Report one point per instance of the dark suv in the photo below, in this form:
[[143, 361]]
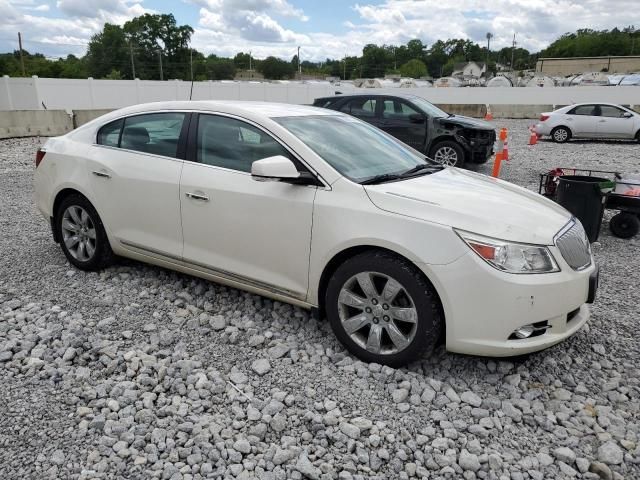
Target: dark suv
[[446, 138]]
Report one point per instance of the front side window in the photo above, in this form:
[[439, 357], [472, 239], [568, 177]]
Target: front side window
[[234, 144], [356, 149], [361, 107], [156, 133], [589, 110], [611, 111], [395, 109], [109, 135]]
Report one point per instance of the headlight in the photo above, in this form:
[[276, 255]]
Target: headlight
[[509, 256]]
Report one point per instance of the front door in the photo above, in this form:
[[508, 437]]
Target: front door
[[134, 175], [404, 122], [256, 232], [613, 124]]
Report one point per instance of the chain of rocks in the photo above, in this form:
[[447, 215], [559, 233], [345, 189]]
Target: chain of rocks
[[139, 372]]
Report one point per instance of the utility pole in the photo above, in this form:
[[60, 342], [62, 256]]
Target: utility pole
[[486, 68], [191, 62], [249, 60], [344, 67], [299, 66], [395, 63], [160, 57], [513, 50], [133, 65], [24, 72]]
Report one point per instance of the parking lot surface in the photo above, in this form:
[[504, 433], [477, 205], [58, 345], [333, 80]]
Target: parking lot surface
[[140, 372]]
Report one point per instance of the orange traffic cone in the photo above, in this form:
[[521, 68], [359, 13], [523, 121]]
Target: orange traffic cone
[[533, 138], [501, 152], [488, 115]]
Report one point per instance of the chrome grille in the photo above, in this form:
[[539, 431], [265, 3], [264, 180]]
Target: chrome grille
[[574, 245]]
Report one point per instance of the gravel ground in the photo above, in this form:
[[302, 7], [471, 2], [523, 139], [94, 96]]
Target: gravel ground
[[140, 372]]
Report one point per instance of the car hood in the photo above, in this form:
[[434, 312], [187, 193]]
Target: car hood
[[475, 203], [467, 122]]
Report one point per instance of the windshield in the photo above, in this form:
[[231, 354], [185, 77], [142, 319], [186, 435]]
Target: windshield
[[430, 109], [354, 148]]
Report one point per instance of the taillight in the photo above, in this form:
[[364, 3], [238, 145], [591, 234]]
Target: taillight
[[39, 156], [543, 117]]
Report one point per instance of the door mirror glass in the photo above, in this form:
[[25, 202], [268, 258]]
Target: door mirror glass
[[416, 118], [274, 168], [627, 115]]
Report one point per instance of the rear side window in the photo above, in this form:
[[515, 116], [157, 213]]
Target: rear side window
[[234, 144], [360, 107], [109, 135], [156, 133], [589, 110]]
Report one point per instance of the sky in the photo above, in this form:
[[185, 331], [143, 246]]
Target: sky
[[322, 28]]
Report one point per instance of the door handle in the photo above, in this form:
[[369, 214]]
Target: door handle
[[196, 196], [101, 174], [601, 121]]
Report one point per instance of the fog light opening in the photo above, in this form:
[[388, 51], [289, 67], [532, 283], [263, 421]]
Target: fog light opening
[[524, 331]]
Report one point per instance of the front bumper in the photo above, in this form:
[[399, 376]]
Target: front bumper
[[483, 306]]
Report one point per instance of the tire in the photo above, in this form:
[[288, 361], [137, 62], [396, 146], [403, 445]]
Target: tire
[[638, 136], [561, 134], [449, 153], [404, 338], [71, 222], [624, 225]]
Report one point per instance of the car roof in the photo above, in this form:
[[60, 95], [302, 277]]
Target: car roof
[[407, 96], [238, 107]]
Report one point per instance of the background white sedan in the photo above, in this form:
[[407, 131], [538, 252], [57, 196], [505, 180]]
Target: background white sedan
[[589, 120]]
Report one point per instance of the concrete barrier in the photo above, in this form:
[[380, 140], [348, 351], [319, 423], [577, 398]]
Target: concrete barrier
[[520, 111], [470, 110], [31, 123], [80, 117]]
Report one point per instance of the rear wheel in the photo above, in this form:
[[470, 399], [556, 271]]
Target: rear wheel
[[561, 134], [638, 136], [448, 153], [624, 225], [82, 235], [383, 309]]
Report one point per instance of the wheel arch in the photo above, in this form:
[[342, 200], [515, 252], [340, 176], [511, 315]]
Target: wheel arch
[[351, 251], [64, 192], [562, 125], [440, 139]]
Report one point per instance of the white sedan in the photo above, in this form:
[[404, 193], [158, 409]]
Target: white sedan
[[589, 120], [316, 208]]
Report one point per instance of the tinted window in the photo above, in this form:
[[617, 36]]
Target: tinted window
[[110, 134], [360, 107], [609, 111], [230, 143], [156, 133], [584, 110], [397, 110]]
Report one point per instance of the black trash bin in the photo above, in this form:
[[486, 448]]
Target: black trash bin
[[582, 196]]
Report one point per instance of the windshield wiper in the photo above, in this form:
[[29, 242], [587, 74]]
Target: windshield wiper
[[385, 177], [420, 167]]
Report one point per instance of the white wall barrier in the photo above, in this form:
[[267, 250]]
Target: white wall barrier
[[69, 94]]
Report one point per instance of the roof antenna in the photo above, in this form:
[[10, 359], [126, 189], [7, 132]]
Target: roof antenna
[[191, 92]]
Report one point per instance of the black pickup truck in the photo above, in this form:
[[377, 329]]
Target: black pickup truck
[[448, 139]]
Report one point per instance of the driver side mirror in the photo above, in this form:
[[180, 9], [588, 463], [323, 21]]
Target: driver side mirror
[[274, 168], [627, 115], [417, 118]]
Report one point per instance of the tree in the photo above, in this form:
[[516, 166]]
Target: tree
[[414, 69], [275, 69], [108, 50]]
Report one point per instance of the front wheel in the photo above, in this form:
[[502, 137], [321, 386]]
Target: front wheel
[[383, 309], [448, 153], [82, 236], [624, 225], [561, 134]]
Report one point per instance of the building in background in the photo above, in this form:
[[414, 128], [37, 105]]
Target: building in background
[[576, 65]]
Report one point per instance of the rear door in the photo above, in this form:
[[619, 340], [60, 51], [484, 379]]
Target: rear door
[[405, 122], [613, 124], [365, 108], [583, 120], [134, 175]]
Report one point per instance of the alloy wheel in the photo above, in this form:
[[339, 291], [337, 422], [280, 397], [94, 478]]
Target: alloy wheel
[[79, 233], [446, 156], [560, 135], [378, 313]]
